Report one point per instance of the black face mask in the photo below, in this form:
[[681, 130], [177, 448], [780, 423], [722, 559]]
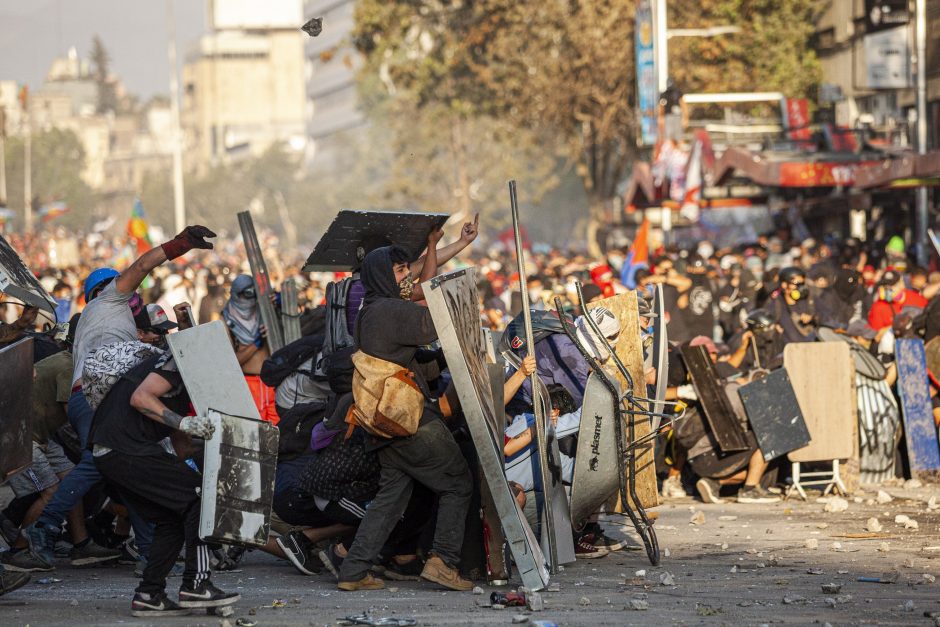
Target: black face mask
[[847, 285]]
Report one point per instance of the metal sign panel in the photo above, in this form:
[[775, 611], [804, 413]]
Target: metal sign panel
[[452, 301], [879, 429], [774, 414], [595, 476], [821, 374], [351, 231], [711, 395], [259, 272], [660, 354], [923, 451], [16, 415], [238, 481], [238, 469], [887, 59], [17, 281], [208, 365]]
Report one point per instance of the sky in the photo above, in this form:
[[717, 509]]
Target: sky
[[34, 32]]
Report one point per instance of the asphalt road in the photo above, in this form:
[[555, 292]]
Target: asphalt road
[[742, 565]]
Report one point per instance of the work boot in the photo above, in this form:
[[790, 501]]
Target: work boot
[[366, 583], [41, 540], [92, 553], [440, 573], [11, 581]]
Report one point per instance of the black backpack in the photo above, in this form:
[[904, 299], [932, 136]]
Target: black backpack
[[296, 427], [287, 360]]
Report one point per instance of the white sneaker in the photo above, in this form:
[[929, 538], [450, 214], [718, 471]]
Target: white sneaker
[[672, 488]]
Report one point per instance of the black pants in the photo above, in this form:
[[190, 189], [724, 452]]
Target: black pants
[[166, 492], [429, 457]]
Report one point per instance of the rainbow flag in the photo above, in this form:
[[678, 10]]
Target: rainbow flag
[[138, 229], [52, 210]]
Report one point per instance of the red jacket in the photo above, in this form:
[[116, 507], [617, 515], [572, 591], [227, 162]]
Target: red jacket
[[882, 312]]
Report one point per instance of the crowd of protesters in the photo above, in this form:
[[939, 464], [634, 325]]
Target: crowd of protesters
[[356, 507]]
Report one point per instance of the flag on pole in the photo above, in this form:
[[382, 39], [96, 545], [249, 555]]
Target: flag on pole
[[52, 210], [138, 229], [638, 256]]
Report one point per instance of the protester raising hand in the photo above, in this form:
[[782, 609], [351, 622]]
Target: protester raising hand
[[470, 230]]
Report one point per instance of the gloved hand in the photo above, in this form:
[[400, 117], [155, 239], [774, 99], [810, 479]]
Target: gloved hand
[[198, 426], [189, 238], [687, 392]]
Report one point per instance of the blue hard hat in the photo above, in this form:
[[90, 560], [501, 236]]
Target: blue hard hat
[[96, 278]]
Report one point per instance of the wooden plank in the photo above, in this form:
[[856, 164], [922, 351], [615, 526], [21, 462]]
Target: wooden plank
[[630, 351], [822, 375], [923, 452]]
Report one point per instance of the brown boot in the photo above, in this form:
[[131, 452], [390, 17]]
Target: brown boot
[[366, 583], [440, 573]]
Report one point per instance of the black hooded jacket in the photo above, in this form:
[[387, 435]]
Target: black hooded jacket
[[391, 328]]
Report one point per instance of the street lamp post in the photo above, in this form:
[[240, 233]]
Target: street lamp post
[[921, 210]]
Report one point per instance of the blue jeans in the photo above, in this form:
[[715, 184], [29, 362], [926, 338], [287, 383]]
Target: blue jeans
[[84, 476]]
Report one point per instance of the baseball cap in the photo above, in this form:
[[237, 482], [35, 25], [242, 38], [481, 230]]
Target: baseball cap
[[159, 319], [890, 277]]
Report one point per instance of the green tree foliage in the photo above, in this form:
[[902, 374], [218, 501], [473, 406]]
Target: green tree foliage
[[772, 51], [101, 64], [57, 163]]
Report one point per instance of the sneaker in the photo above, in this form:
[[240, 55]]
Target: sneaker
[[9, 530], [440, 573], [297, 548], [756, 494], [92, 553], [205, 594], [130, 555], [708, 489], [42, 541], [10, 581], [585, 548], [369, 582], [604, 542], [672, 488], [409, 571], [233, 555], [156, 605], [331, 560], [24, 561]]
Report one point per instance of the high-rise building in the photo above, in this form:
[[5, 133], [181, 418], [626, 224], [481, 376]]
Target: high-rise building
[[332, 109]]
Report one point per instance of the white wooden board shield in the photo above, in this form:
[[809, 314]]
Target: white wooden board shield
[[452, 301], [240, 458], [822, 375]]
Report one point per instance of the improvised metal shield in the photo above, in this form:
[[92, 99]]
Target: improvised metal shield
[[238, 469], [774, 414], [596, 471], [17, 281], [452, 301], [923, 451], [660, 354], [711, 396], [354, 233], [16, 411]]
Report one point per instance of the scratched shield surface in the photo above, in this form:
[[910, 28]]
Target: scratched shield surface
[[238, 481], [16, 416], [596, 472], [923, 452], [353, 229], [454, 306], [17, 281], [774, 414], [879, 429]]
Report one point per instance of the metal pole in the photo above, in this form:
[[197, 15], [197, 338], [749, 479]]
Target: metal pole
[[540, 425], [661, 44], [179, 202], [920, 233], [28, 172]]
